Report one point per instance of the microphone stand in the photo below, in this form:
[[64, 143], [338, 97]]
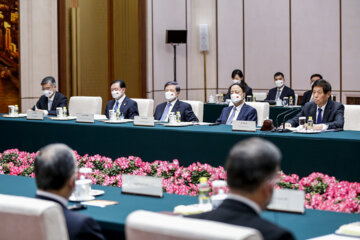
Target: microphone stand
[[284, 130], [277, 119]]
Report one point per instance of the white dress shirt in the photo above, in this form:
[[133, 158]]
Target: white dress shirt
[[119, 102], [170, 109], [246, 201], [277, 89], [324, 126], [56, 197], [237, 109]]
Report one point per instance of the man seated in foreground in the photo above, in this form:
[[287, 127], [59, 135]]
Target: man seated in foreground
[[252, 171], [55, 175], [240, 110], [51, 99], [325, 113]]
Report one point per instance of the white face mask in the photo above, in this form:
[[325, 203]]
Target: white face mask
[[279, 83], [236, 81], [169, 96], [236, 98], [48, 93], [116, 94]]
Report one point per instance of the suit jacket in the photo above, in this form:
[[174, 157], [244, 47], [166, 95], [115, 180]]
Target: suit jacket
[[128, 108], [59, 101], [247, 113], [286, 92], [248, 92], [79, 226], [186, 112], [238, 213], [306, 97], [333, 114]]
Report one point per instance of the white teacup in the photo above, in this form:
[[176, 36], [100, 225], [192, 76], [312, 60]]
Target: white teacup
[[82, 189]]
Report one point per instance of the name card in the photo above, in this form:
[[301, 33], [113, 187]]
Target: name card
[[35, 115], [287, 200], [142, 185], [85, 117], [144, 121], [248, 126]]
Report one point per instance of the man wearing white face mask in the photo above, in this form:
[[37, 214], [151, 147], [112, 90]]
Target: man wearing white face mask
[[172, 104], [240, 110], [280, 91], [128, 108], [51, 99]]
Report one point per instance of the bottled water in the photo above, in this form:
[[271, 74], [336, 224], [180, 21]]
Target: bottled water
[[16, 110], [204, 190], [117, 114], [291, 101], [178, 117], [64, 112], [310, 123]]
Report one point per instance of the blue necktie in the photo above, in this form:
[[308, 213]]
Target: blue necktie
[[116, 105], [165, 113], [319, 117], [229, 121]]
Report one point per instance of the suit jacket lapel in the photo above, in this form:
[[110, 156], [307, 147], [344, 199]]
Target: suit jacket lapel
[[56, 97], [123, 104], [283, 92], [176, 107], [327, 111], [242, 111], [313, 112]]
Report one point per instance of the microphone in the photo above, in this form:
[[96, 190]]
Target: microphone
[[277, 118], [286, 115]]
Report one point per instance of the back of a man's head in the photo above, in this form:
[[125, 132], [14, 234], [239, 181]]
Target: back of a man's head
[[54, 165], [250, 163]]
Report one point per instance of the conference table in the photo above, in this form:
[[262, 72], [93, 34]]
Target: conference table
[[212, 112], [112, 218], [333, 153]]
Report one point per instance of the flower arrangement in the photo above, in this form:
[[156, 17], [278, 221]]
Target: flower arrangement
[[321, 191]]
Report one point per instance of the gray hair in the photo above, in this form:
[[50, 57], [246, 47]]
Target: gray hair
[[250, 163], [49, 79], [54, 165]]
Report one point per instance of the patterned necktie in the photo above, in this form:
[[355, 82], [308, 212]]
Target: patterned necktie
[[165, 113], [116, 105], [319, 117], [230, 119], [278, 94]]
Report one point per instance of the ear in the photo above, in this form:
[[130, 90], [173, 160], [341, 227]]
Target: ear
[[71, 182], [328, 94]]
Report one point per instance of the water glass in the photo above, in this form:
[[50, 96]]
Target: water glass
[[172, 118], [302, 121], [285, 101], [59, 112], [249, 98], [112, 115], [11, 110]]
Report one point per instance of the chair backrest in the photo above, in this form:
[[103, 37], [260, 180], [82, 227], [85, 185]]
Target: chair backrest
[[153, 226], [145, 106], [351, 117], [197, 107], [260, 96], [81, 104], [29, 218], [296, 99], [262, 109]]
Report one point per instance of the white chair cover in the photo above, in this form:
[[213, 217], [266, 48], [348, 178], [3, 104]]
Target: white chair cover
[[145, 106], [197, 107], [81, 104]]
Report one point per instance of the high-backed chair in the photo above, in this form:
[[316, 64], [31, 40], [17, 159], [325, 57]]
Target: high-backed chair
[[156, 226], [197, 107], [262, 109], [31, 219], [81, 104], [145, 106], [296, 99], [351, 117], [260, 96]]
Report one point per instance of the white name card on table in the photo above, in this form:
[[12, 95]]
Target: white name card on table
[[144, 121], [142, 185], [85, 117], [247, 126], [287, 200], [35, 115]]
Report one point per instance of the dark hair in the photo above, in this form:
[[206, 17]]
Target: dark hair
[[54, 165], [49, 79], [242, 85], [177, 87], [316, 75], [279, 74], [250, 163], [121, 83], [238, 72], [326, 86]]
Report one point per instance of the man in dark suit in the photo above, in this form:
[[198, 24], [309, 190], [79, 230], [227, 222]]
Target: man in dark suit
[[239, 111], [325, 113], [252, 171], [51, 99], [55, 175], [173, 104], [308, 96], [128, 108], [280, 91]]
